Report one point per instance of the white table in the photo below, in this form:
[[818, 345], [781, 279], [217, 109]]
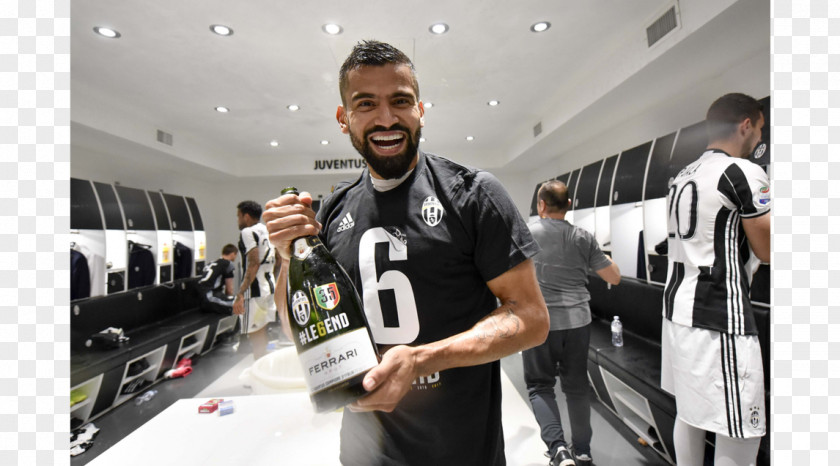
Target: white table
[[279, 429]]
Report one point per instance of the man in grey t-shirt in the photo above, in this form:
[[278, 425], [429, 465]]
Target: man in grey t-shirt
[[567, 254]]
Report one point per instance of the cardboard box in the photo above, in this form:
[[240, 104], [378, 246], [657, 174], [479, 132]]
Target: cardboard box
[[225, 407], [210, 405]]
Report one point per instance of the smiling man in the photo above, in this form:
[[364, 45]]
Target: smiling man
[[430, 245]]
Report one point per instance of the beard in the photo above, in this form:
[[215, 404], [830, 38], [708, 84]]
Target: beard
[[392, 166]]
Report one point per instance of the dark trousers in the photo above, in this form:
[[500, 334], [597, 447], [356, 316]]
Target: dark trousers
[[218, 303], [567, 350]]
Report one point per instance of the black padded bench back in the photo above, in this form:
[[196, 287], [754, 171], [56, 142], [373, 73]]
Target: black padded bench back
[[637, 304], [127, 311]]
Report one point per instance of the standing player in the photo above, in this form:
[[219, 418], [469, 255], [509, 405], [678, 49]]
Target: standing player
[[718, 231], [254, 302], [430, 245]]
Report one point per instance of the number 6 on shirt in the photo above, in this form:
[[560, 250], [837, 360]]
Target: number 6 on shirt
[[409, 325]]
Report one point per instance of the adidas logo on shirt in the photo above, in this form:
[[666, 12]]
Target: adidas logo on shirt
[[346, 223]]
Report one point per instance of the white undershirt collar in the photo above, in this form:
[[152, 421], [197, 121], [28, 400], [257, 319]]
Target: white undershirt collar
[[387, 185]]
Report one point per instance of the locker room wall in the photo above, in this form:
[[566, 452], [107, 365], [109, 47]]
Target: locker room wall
[[750, 76], [217, 193]]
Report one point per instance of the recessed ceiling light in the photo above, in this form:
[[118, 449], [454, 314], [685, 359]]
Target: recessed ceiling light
[[106, 32], [428, 105], [422, 139], [332, 29], [470, 138], [293, 107], [439, 28], [541, 26], [324, 142], [493, 103], [221, 109], [274, 143], [221, 30]]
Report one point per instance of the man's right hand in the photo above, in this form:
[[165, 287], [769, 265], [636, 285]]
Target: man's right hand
[[287, 218]]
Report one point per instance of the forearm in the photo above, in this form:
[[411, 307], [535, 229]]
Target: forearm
[[521, 322], [278, 263], [511, 328], [250, 275]]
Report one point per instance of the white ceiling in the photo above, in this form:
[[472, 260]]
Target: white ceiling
[[168, 72]]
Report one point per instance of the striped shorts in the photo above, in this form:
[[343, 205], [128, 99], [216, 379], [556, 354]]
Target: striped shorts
[[717, 379]]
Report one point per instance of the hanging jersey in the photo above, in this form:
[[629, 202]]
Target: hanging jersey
[[420, 256], [141, 266], [183, 261], [79, 276], [96, 269], [710, 264], [256, 236]]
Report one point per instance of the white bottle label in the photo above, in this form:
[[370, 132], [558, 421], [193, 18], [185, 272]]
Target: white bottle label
[[337, 359], [301, 248]]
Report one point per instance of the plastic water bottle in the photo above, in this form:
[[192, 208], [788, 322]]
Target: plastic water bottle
[[617, 332], [145, 397]]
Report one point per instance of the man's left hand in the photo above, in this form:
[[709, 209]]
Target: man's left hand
[[388, 382]]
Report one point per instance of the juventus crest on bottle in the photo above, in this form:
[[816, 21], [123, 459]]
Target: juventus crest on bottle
[[331, 333]]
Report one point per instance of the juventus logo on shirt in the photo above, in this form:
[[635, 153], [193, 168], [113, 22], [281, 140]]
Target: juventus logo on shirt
[[432, 211], [760, 150]]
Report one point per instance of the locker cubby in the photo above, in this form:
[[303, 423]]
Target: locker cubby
[[226, 324], [185, 346], [83, 409], [635, 411], [154, 358]]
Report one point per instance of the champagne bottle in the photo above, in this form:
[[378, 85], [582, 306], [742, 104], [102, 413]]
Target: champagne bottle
[[332, 337]]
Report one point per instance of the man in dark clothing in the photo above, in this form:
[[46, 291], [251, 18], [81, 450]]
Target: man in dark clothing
[[432, 245], [217, 283]]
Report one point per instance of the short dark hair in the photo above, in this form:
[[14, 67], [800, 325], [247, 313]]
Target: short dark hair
[[228, 248], [374, 53], [727, 112], [555, 194], [251, 208]]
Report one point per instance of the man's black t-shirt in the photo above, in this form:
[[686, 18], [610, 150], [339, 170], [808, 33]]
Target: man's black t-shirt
[[420, 256], [215, 274]]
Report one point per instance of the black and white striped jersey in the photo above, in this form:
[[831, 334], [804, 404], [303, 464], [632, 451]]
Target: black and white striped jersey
[[256, 236], [710, 265]]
